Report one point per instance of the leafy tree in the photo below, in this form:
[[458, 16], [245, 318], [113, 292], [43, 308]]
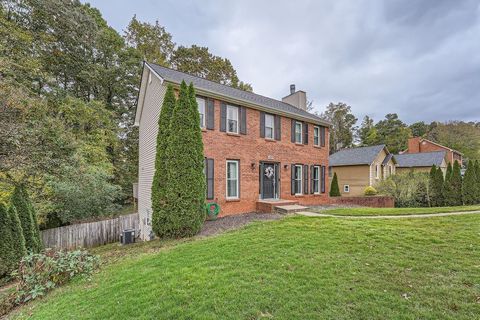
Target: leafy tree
[[27, 218], [334, 190], [18, 244], [160, 214], [365, 131], [419, 129], [431, 182], [200, 62], [185, 180], [477, 174], [6, 245], [470, 191], [392, 132], [409, 189], [343, 125], [153, 41]]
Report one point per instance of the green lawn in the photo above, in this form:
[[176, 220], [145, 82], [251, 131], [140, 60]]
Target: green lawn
[[295, 268], [393, 211]]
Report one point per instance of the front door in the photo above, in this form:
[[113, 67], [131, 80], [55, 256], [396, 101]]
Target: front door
[[269, 180]]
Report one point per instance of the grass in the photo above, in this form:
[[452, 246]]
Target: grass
[[393, 211], [295, 268]]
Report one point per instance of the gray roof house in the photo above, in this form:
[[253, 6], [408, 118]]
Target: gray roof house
[[357, 168], [421, 162]]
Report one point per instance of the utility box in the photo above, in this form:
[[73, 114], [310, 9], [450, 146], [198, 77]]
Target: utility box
[[127, 236]]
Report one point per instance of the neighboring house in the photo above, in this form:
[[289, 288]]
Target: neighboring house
[[256, 148], [357, 168], [421, 145], [421, 162]]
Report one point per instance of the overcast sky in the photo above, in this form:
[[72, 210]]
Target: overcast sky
[[420, 59]]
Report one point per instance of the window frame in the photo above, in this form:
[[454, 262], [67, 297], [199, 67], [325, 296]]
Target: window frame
[[377, 171], [298, 123], [316, 135], [316, 182], [268, 115], [298, 192], [229, 106], [203, 121], [237, 163], [346, 188]]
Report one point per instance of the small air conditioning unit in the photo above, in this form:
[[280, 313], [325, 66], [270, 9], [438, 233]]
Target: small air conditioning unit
[[127, 236]]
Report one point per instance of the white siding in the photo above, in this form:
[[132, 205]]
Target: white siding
[[154, 94]]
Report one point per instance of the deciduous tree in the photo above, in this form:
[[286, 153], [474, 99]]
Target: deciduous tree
[[343, 125]]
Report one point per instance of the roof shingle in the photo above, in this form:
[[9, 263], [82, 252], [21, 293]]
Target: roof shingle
[[176, 77], [355, 156], [423, 159]]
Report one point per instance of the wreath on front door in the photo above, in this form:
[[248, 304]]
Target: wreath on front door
[[269, 172]]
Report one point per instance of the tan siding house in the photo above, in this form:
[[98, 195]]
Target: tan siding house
[[358, 168]]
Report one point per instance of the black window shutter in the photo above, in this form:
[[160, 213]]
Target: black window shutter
[[278, 127], [260, 178], [223, 117], [305, 133], [239, 178], [210, 114], [262, 124], [305, 179], [322, 136], [243, 120], [293, 130], [210, 178], [322, 179], [311, 179], [293, 180]]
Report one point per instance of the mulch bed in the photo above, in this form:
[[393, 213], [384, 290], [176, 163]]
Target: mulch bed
[[234, 222]]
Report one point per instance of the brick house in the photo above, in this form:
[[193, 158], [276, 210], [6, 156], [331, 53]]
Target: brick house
[[258, 151], [420, 145]]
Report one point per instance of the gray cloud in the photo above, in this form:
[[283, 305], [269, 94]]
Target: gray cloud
[[417, 58]]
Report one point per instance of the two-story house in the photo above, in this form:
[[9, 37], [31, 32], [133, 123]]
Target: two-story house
[[257, 149]]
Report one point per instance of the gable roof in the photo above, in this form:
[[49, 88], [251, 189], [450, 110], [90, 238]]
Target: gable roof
[[223, 91], [422, 159], [356, 156]]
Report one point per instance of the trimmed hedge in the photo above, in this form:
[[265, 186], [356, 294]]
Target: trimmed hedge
[[334, 190]]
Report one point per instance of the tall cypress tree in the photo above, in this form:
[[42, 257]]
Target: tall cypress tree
[[447, 187], [456, 183], [159, 214], [477, 174], [185, 183], [431, 186], [27, 220], [6, 254], [439, 181], [334, 190], [469, 188], [18, 245]]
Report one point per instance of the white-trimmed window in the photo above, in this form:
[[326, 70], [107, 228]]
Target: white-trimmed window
[[298, 177], [232, 179], [316, 136], [232, 119], [298, 132], [269, 126], [346, 188], [377, 171], [316, 179], [201, 110]]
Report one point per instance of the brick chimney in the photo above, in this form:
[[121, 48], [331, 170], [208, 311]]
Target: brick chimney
[[414, 145], [297, 99]]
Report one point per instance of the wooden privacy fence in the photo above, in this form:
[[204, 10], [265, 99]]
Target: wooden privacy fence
[[89, 234]]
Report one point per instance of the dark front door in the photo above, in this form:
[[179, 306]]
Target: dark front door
[[269, 180]]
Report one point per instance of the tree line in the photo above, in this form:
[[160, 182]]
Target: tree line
[[68, 88], [393, 132]]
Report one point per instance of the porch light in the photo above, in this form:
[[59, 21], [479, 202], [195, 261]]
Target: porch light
[[253, 165], [285, 166]]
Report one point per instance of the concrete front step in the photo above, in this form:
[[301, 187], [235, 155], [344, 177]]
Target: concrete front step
[[268, 206], [292, 208]]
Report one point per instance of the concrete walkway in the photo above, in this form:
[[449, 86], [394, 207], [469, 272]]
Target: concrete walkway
[[427, 215]]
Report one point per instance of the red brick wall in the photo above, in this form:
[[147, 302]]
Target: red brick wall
[[417, 146], [374, 202], [414, 145], [250, 148]]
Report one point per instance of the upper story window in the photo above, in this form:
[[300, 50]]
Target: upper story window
[[316, 136], [232, 119], [298, 132], [201, 111], [269, 126]]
